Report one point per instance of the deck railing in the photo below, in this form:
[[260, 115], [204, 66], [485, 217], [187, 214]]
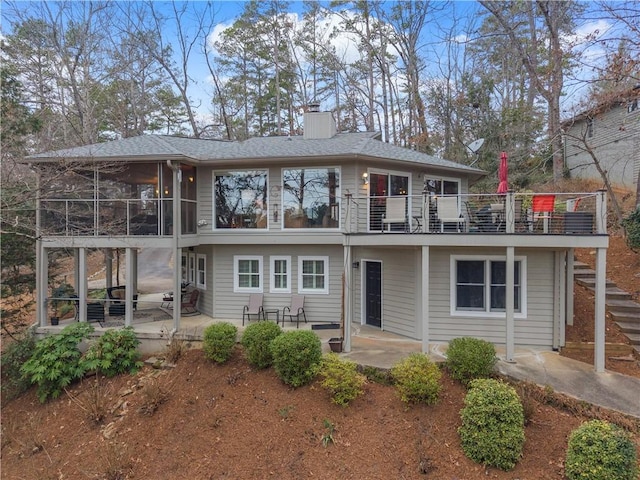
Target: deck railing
[[526, 213]]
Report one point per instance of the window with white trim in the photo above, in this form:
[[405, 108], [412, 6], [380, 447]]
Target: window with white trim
[[201, 273], [280, 274], [247, 273], [313, 274], [192, 269], [478, 285]]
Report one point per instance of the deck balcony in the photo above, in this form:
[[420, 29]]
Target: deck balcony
[[486, 214]]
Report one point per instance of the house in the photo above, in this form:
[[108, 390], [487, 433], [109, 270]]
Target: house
[[368, 232], [612, 131]]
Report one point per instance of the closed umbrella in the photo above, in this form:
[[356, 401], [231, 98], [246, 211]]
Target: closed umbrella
[[503, 186]]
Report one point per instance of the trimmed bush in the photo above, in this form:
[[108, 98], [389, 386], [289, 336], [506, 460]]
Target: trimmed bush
[[417, 379], [341, 378], [469, 358], [632, 228], [115, 352], [492, 430], [599, 450], [256, 340], [296, 356], [15, 354], [218, 341], [56, 361]]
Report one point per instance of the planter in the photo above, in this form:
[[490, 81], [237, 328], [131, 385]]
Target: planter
[[55, 320], [335, 344]]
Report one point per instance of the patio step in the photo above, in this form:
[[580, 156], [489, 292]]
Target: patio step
[[629, 327], [590, 282], [627, 317], [634, 338], [627, 307]]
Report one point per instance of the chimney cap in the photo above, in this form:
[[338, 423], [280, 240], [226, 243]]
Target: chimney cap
[[314, 106]]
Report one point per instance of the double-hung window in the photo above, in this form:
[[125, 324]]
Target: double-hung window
[[201, 271], [478, 286], [280, 274], [247, 274], [313, 274]]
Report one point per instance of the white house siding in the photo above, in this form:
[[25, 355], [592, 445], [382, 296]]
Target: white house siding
[[228, 304], [535, 329], [616, 134]]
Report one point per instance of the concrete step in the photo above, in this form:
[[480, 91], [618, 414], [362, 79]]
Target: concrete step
[[580, 265], [629, 327], [623, 306], [627, 317], [584, 273], [615, 293], [590, 282], [634, 338]]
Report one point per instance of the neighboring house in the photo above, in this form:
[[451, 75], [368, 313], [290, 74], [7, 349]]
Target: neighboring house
[[306, 215], [612, 131]]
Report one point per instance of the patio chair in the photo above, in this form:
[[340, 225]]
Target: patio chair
[[447, 212], [189, 302], [117, 298], [254, 307], [395, 212], [297, 306], [542, 207]]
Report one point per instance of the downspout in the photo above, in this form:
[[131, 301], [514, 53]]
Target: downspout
[[41, 294], [177, 227]]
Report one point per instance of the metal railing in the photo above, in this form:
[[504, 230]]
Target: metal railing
[[523, 213]]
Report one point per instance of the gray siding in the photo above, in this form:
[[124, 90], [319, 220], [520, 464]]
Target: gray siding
[[225, 303], [615, 140], [535, 329]]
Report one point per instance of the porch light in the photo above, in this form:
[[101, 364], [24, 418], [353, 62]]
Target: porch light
[[365, 178]]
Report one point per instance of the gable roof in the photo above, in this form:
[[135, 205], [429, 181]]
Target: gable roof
[[364, 145]]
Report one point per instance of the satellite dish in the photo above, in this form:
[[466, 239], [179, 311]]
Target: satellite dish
[[475, 145]]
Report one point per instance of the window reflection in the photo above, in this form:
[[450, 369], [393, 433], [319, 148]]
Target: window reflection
[[241, 199], [311, 198]]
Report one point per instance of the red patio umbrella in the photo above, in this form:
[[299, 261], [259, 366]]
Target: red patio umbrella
[[503, 186]]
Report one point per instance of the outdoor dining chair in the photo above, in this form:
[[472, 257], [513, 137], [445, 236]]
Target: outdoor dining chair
[[296, 309], [253, 308]]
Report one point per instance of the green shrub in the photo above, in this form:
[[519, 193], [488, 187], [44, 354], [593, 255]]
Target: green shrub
[[56, 361], [599, 450], [15, 354], [417, 379], [492, 430], [341, 378], [256, 340], [296, 356], [218, 341], [115, 352], [469, 358]]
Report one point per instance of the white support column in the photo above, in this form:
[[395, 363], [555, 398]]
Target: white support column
[[83, 286], [108, 263], [570, 284], [42, 286], [562, 296], [134, 273], [425, 298], [347, 306], [509, 298], [177, 250], [601, 285], [128, 281], [76, 270], [557, 283]]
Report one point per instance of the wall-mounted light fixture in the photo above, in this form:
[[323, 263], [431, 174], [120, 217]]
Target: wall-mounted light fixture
[[355, 264], [365, 178], [202, 223], [191, 178]]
